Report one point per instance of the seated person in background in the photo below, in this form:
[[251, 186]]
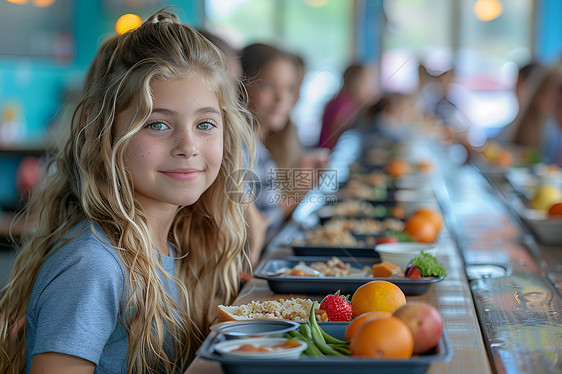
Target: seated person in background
[[532, 135], [257, 220], [356, 91], [528, 126], [390, 115], [271, 78], [285, 146], [552, 151], [527, 77], [232, 54]]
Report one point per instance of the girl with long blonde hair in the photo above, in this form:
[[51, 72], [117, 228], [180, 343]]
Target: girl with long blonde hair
[[137, 236]]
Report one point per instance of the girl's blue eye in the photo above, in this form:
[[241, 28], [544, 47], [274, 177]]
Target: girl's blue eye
[[157, 126], [206, 125]]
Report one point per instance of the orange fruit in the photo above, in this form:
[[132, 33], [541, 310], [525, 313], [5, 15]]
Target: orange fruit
[[424, 166], [383, 338], [377, 296], [505, 159], [398, 211], [431, 215], [398, 167], [354, 325], [555, 210], [421, 229]]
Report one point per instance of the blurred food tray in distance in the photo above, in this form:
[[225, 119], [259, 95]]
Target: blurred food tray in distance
[[272, 271]]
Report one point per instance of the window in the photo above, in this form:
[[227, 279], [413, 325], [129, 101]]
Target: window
[[486, 55], [320, 31]]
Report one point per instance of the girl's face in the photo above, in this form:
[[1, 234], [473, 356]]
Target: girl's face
[[273, 96], [177, 154]]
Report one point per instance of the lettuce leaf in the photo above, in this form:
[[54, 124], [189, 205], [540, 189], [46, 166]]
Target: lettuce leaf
[[429, 266]]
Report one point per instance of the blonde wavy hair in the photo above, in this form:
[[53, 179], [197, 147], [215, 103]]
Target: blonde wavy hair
[[88, 182]]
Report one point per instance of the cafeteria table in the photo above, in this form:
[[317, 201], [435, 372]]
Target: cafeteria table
[[501, 299]]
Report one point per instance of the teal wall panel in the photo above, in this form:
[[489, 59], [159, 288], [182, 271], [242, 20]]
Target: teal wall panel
[[548, 30]]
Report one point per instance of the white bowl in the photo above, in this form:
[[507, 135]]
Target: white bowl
[[226, 348], [402, 253], [255, 329]]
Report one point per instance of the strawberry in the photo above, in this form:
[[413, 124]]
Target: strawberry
[[337, 307]]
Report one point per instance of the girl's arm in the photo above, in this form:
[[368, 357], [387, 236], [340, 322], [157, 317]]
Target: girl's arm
[[257, 227], [58, 363]]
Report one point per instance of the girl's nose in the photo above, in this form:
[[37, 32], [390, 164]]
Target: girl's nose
[[186, 145]]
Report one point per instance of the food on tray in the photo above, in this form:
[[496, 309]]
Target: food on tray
[[333, 237], [365, 226], [412, 328], [374, 179], [424, 321], [359, 208], [383, 338], [294, 309], [261, 348], [378, 295], [546, 196], [337, 307], [429, 266], [386, 269], [331, 268], [412, 271], [352, 208], [355, 323], [497, 155], [424, 166], [360, 190], [398, 167], [555, 210], [387, 239], [548, 171], [430, 214], [318, 341], [424, 225], [267, 348], [378, 156]]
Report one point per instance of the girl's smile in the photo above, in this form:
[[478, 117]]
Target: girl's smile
[[182, 174]]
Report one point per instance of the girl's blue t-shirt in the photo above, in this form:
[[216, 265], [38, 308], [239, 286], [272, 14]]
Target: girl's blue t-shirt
[[78, 299]]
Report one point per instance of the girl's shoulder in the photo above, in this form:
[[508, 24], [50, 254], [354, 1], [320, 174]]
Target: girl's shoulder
[[84, 250]]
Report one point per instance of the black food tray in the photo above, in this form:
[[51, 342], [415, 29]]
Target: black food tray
[[338, 251], [389, 199], [417, 364], [328, 285], [381, 210]]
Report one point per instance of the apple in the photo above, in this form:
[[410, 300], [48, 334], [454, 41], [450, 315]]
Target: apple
[[412, 271], [387, 239], [424, 321]]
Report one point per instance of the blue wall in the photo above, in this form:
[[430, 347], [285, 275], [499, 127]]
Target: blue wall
[[548, 32], [36, 86]]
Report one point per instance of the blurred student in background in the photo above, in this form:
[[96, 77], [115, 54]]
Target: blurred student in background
[[528, 126], [256, 220], [552, 150], [356, 91], [527, 78], [272, 79], [271, 82], [285, 146], [232, 54]]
